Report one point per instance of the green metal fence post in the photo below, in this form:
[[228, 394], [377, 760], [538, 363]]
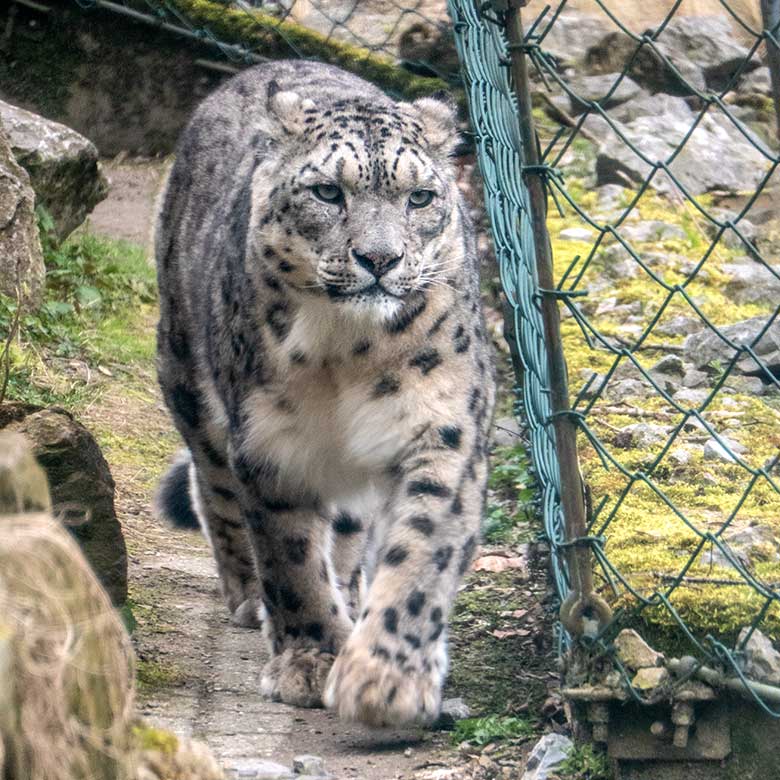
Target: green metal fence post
[[583, 602]]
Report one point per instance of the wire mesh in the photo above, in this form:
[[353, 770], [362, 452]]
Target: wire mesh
[[673, 356]]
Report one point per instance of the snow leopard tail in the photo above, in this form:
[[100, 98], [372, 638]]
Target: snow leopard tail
[[173, 501]]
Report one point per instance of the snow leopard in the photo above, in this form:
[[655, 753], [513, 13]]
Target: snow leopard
[[323, 353]]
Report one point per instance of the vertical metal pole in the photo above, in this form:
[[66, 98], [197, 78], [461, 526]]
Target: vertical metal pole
[[582, 602], [770, 11]]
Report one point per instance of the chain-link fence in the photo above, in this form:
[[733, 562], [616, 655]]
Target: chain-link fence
[[670, 329], [660, 477]]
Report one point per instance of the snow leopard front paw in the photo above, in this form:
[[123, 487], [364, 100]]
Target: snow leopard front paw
[[248, 614], [297, 676], [381, 687]]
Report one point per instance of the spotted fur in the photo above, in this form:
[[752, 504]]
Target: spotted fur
[[322, 352]]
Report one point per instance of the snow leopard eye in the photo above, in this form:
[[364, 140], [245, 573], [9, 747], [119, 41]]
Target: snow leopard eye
[[330, 193], [419, 199]]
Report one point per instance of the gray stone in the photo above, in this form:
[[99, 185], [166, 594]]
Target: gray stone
[[747, 385], [761, 659], [752, 282], [82, 489], [652, 230], [610, 197], [576, 234], [22, 272], [702, 349], [634, 652], [714, 450], [650, 677], [260, 770], [756, 83], [547, 756], [691, 397], [572, 36], [62, 164], [653, 105], [715, 157], [596, 88], [309, 765], [669, 364], [694, 378], [452, 710], [704, 50], [679, 326], [640, 435], [628, 388]]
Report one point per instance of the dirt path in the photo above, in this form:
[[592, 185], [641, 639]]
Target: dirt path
[[198, 675]]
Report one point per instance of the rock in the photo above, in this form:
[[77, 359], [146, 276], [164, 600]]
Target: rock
[[634, 652], [761, 659], [756, 83], [714, 450], [576, 234], [653, 105], [640, 435], [628, 388], [23, 485], [429, 50], [715, 157], [669, 364], [751, 281], [82, 489], [650, 677], [691, 397], [680, 456], [652, 230], [572, 36], [596, 88], [679, 326], [260, 770], [62, 164], [610, 197], [694, 378], [547, 756], [452, 710], [506, 432], [309, 765], [747, 385], [22, 271], [702, 349], [702, 49]]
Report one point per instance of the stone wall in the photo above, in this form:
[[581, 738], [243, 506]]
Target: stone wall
[[122, 84]]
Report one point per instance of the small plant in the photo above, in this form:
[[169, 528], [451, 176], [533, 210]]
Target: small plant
[[510, 472], [481, 731], [585, 763]]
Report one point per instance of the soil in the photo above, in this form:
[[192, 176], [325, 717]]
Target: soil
[[199, 675]]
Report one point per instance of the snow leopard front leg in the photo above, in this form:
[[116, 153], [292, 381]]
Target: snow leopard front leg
[[393, 666], [307, 619]]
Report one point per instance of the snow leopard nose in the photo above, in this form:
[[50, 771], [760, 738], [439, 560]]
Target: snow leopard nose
[[377, 263]]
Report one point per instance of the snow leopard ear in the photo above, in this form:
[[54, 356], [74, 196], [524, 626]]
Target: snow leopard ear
[[439, 116], [287, 108]]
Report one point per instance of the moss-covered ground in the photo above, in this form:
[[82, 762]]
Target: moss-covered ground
[[654, 513]]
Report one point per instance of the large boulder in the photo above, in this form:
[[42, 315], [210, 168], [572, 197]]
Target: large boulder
[[716, 156], [703, 348], [703, 52], [571, 37], [63, 166], [22, 272], [82, 489]]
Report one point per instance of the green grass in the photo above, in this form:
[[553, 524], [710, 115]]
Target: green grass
[[481, 731], [97, 290], [585, 763], [510, 517]]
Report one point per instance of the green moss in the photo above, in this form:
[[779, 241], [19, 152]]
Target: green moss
[[273, 38], [154, 675], [149, 738], [646, 541]]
